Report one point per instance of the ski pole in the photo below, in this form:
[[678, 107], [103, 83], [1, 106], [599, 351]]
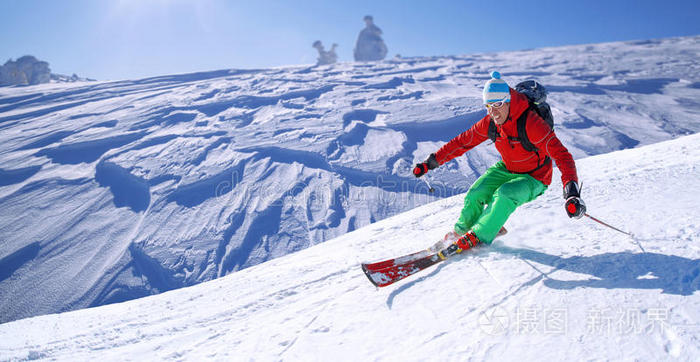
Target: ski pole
[[616, 229], [602, 223], [430, 188]]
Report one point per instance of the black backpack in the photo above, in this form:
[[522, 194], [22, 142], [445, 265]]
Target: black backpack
[[537, 98]]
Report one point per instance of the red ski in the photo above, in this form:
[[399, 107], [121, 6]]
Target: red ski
[[387, 272]]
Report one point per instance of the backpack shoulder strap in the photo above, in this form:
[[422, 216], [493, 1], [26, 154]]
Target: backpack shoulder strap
[[522, 132], [493, 134], [525, 141]]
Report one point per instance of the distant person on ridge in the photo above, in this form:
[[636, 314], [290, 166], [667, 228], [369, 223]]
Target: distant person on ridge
[[325, 57], [370, 45], [520, 177]]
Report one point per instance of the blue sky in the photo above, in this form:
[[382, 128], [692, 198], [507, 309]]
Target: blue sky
[[128, 39]]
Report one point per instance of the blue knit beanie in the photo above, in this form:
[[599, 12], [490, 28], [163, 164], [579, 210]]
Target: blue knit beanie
[[496, 89]]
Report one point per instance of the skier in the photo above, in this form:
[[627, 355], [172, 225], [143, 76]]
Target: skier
[[520, 177], [370, 45]]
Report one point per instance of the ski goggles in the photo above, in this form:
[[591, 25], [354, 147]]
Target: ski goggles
[[497, 104]]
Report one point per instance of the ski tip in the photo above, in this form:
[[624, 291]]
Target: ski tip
[[367, 274]]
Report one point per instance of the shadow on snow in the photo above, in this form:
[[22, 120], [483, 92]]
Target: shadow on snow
[[623, 270]]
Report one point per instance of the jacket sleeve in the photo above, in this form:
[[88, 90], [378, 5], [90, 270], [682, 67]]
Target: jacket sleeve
[[544, 138], [464, 142]]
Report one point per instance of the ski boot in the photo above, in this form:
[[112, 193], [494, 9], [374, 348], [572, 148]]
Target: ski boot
[[502, 232], [448, 239], [453, 236], [468, 241]]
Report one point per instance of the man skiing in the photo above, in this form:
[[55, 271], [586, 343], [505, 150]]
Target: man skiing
[[520, 177]]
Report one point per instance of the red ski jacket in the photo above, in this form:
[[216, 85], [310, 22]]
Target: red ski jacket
[[515, 157]]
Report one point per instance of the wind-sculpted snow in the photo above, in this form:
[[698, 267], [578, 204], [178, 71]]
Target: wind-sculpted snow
[[9, 177], [88, 151], [116, 190], [128, 190]]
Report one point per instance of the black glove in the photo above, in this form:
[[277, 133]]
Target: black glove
[[429, 164], [575, 207]]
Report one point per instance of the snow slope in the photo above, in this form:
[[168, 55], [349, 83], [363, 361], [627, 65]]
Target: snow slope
[[115, 190], [571, 288]]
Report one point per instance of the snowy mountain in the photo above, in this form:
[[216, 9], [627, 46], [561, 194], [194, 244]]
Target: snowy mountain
[[111, 191], [572, 288]]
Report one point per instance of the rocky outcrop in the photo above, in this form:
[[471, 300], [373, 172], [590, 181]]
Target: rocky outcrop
[[26, 70], [60, 78]]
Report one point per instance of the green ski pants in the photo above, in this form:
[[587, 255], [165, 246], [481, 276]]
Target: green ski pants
[[501, 192]]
